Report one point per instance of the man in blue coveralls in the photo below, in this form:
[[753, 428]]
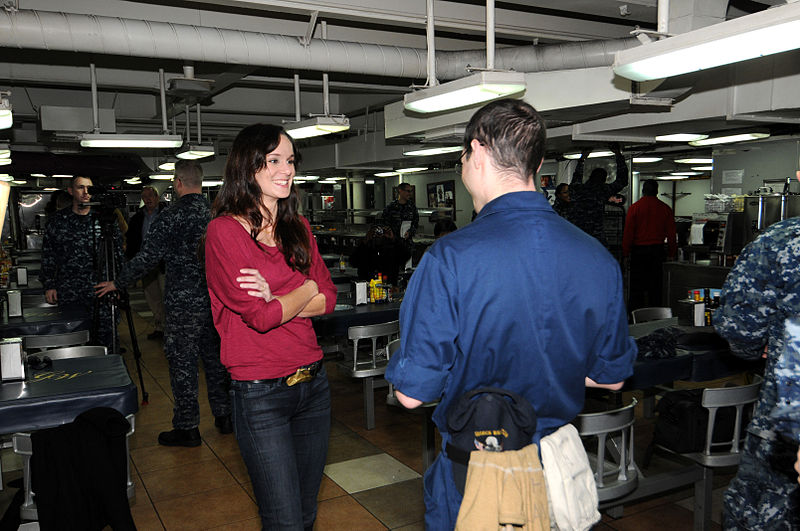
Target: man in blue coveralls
[[479, 312]]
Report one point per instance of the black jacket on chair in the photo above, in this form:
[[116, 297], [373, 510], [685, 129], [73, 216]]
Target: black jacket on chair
[[78, 473]]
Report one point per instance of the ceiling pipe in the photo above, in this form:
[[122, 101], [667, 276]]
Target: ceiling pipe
[[489, 34], [297, 97], [326, 105], [162, 89], [663, 17], [431, 45], [95, 105], [44, 30]]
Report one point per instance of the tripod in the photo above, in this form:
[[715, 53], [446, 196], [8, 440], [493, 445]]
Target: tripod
[[106, 269]]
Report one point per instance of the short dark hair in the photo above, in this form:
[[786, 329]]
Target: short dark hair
[[561, 187], [650, 187], [404, 186], [598, 176], [189, 172], [513, 133]]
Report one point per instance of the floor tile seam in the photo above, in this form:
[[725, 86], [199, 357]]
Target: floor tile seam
[[201, 491], [193, 463]]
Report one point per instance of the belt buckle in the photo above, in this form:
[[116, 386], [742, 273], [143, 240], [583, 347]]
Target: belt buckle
[[303, 374]]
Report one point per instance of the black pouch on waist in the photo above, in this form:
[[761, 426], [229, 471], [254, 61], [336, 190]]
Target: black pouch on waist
[[488, 419]]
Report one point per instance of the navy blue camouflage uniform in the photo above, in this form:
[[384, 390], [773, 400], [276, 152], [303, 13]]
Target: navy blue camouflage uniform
[[189, 332], [395, 214], [760, 293], [72, 263], [588, 200]]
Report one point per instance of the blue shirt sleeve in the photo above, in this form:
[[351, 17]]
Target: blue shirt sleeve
[[428, 333]]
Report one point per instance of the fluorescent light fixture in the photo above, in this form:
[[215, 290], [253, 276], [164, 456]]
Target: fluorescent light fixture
[[317, 126], [306, 178], [328, 181], [470, 90], [421, 152], [695, 161], [6, 177], [729, 139], [6, 117], [19, 181], [645, 160], [38, 175], [50, 189], [194, 152], [103, 140], [167, 166], [702, 168], [5, 153], [5, 161], [386, 174], [57, 176], [211, 183], [411, 170], [764, 33], [672, 177], [369, 181], [680, 137], [161, 176], [135, 180], [592, 155], [687, 173]]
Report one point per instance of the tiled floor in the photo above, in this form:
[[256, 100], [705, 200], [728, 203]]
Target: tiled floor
[[372, 481]]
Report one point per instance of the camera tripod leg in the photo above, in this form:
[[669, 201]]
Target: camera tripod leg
[[125, 305]]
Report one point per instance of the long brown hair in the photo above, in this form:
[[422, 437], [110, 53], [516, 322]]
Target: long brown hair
[[241, 195]]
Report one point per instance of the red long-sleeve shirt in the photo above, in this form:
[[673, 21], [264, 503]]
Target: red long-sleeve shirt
[[255, 345], [649, 222]]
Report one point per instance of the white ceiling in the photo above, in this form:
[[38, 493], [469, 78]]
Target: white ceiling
[[252, 74]]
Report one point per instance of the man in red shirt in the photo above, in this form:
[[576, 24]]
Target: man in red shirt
[[649, 222]]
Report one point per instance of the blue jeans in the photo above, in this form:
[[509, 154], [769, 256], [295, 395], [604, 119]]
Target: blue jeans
[[283, 437]]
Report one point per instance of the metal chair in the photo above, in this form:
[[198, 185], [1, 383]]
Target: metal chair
[[369, 364], [48, 341], [642, 315], [723, 453], [615, 472], [83, 351]]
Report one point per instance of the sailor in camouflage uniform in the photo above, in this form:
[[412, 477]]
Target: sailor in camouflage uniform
[[189, 332], [72, 258], [400, 210], [760, 293], [588, 200]]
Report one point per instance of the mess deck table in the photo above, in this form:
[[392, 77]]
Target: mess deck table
[[55, 396]]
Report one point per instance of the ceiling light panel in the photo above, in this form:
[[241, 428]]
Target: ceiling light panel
[[470, 90]]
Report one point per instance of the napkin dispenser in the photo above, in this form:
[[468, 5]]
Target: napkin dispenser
[[12, 362], [361, 293], [22, 276], [14, 303]]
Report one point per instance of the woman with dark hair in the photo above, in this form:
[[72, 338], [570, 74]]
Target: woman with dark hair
[[266, 279]]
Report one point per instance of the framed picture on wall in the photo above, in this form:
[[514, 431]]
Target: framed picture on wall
[[443, 194]]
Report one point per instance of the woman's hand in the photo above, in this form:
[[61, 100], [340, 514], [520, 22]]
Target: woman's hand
[[255, 284]]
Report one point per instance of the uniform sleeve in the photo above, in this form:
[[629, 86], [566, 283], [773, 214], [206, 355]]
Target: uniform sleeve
[[150, 254], [748, 301], [49, 269], [622, 177], [229, 249], [414, 222], [614, 349], [428, 332], [119, 252], [320, 274]]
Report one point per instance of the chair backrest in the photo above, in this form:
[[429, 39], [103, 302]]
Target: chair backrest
[[642, 315], [392, 347], [68, 339], [726, 452], [380, 334], [83, 351], [614, 471]]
